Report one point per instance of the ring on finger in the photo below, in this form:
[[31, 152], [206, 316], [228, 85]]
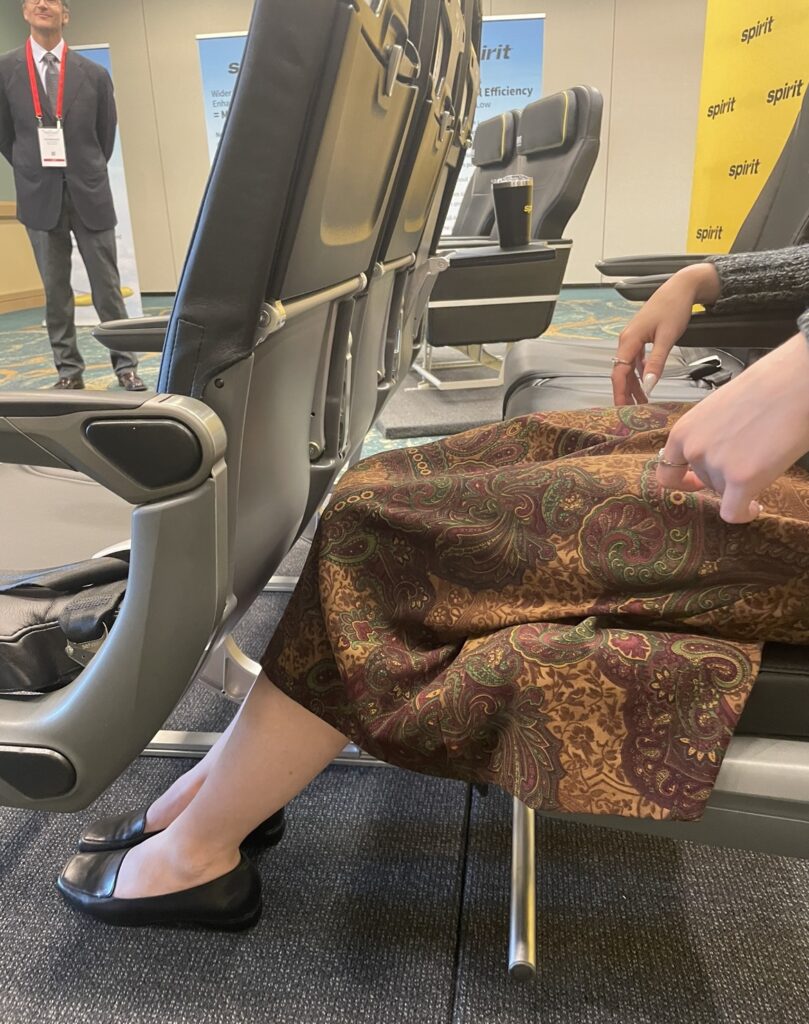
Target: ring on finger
[[663, 461], [622, 362]]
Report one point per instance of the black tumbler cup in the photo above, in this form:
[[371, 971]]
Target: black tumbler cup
[[513, 203]]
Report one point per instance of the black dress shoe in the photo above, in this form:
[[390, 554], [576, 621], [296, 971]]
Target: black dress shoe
[[123, 831], [130, 381], [231, 902], [69, 384]]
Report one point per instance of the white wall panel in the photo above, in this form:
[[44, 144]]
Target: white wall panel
[[172, 28], [652, 132], [122, 26]]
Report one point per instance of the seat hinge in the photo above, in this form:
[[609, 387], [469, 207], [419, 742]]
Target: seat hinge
[[272, 318]]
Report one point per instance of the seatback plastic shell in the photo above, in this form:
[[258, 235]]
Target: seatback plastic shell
[[285, 235]]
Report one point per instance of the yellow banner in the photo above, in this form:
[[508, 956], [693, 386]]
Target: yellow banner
[[754, 74]]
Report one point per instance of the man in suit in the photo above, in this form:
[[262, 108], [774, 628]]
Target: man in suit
[[64, 189]]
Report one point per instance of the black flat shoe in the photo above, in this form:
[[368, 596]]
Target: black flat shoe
[[230, 903], [123, 831]]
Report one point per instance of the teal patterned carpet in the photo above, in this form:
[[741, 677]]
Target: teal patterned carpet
[[597, 314]]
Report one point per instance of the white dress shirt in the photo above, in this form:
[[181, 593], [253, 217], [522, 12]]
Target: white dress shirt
[[39, 56]]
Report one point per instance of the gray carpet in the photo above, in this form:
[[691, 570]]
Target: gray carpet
[[635, 929], [427, 412], [360, 922], [363, 903]]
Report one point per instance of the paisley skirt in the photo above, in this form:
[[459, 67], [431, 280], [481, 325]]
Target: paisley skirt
[[522, 605]]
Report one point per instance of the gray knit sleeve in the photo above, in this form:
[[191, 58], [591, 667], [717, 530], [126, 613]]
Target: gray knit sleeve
[[803, 323], [752, 280]]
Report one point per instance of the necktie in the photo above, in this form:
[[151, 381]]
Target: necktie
[[51, 78]]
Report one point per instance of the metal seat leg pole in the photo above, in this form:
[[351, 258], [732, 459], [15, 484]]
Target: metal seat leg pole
[[522, 952]]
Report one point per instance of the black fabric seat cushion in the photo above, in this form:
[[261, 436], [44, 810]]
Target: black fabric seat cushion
[[779, 703]]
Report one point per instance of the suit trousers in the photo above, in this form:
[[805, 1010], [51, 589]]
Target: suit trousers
[[53, 252]]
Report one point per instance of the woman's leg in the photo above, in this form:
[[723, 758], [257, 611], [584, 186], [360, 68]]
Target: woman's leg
[[179, 795], [275, 748]]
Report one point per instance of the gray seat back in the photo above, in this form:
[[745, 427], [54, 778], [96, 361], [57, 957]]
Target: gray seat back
[[557, 145], [434, 129], [452, 97], [406, 266], [289, 226], [462, 139], [287, 232], [493, 153], [780, 215], [410, 330], [438, 35]]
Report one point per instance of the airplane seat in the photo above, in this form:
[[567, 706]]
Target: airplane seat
[[760, 800], [215, 466], [761, 797], [538, 373], [493, 154], [558, 145], [406, 324], [491, 294], [439, 35]]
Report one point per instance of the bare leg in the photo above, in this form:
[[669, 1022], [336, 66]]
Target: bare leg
[[180, 794], [276, 747]]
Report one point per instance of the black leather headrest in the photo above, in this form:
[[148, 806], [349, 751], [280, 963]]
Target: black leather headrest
[[494, 141], [549, 123]]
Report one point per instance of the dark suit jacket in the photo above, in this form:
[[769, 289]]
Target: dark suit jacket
[[89, 122]]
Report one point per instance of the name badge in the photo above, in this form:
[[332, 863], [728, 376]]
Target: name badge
[[52, 147]]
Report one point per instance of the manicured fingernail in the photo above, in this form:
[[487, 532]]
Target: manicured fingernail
[[649, 382]]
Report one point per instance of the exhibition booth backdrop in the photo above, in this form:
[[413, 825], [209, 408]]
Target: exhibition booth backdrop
[[755, 71], [649, 77], [645, 56]]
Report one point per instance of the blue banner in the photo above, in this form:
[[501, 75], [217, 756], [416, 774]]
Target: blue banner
[[127, 266], [220, 58], [511, 58]]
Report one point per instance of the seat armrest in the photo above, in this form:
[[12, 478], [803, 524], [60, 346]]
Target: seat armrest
[[463, 241], [490, 294], [178, 592], [494, 256], [643, 266], [145, 334], [740, 330], [141, 446], [640, 289]]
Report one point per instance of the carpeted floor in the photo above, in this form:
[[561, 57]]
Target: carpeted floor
[[387, 903]]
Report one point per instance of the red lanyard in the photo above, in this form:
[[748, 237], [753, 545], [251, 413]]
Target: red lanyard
[[32, 75]]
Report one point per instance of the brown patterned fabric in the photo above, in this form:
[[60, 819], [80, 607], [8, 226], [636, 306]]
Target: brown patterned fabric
[[522, 605]]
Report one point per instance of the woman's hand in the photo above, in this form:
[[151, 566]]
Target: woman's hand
[[745, 435], [659, 323]]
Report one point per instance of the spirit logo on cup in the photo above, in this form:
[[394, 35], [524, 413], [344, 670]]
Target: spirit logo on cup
[[513, 205]]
